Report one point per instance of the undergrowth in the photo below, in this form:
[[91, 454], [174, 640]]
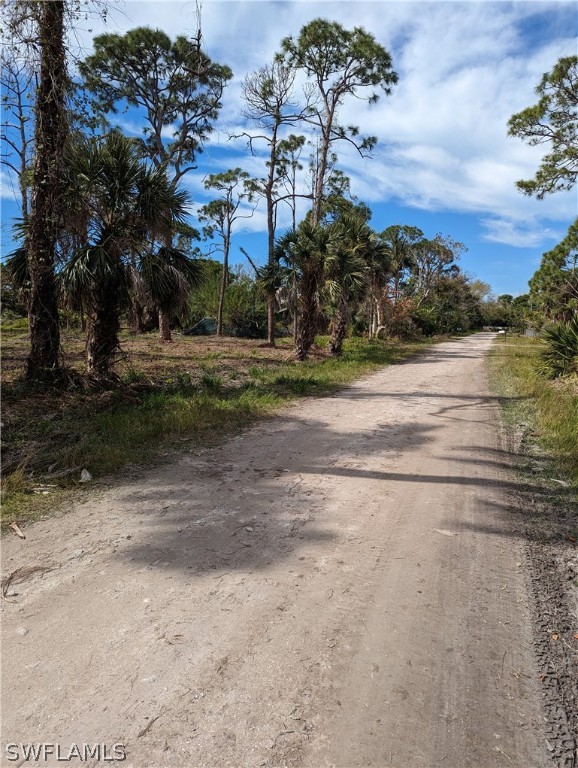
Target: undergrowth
[[142, 420], [547, 409]]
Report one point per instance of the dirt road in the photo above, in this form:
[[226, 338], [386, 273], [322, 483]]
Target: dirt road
[[335, 587]]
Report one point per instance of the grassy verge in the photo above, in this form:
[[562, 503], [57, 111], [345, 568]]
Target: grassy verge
[[170, 398], [547, 409]]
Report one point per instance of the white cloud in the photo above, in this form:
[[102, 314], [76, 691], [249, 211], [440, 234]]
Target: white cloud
[[518, 235], [8, 185], [464, 69], [132, 127]]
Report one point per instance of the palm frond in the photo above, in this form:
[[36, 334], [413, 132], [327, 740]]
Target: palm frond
[[168, 276], [158, 203], [560, 358], [16, 265], [191, 269], [272, 277], [90, 269]]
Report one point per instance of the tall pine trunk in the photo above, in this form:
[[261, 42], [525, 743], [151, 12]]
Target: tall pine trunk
[[271, 300], [321, 170], [46, 205], [223, 288], [271, 321], [164, 315]]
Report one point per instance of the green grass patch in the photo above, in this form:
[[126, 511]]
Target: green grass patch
[[14, 325], [549, 409], [154, 413]]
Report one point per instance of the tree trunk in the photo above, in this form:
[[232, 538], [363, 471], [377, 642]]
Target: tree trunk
[[271, 250], [223, 289], [164, 326], [322, 167], [295, 309], [142, 318], [271, 321], [339, 330], [395, 290], [164, 316], [46, 206], [271, 240], [146, 316], [132, 317], [379, 319], [308, 325], [376, 312], [103, 327]]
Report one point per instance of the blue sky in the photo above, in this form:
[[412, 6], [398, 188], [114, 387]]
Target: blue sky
[[444, 161]]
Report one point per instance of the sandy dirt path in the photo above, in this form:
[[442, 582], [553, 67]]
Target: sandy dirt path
[[337, 586]]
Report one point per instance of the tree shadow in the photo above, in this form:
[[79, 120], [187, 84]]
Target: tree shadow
[[231, 510], [536, 507], [239, 509], [234, 511], [534, 522]]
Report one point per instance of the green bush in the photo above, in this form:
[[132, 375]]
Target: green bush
[[560, 357], [245, 310]]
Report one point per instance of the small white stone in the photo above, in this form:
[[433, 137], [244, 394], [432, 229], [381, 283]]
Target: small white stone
[[21, 631]]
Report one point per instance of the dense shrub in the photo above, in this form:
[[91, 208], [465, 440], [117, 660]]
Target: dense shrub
[[560, 357]]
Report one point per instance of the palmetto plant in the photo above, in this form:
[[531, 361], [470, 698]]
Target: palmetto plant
[[16, 265], [345, 272], [560, 357], [168, 275], [378, 274], [119, 209], [400, 241], [301, 256], [279, 279]]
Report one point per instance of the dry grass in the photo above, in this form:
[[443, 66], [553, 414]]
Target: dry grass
[[187, 393], [548, 408]]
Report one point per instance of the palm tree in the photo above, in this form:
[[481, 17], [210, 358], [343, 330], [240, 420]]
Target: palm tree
[[167, 276], [345, 272], [378, 275], [400, 242], [119, 208], [395, 258], [303, 252]]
